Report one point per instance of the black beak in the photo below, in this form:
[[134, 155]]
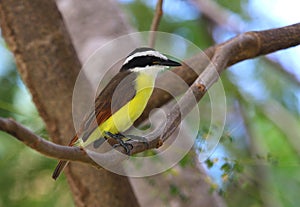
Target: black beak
[[169, 62]]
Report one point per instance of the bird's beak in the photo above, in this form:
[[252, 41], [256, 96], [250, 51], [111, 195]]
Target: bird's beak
[[169, 62]]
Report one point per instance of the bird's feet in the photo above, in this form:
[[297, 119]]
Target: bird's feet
[[120, 138], [140, 139]]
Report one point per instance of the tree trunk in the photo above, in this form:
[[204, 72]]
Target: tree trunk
[[48, 65]]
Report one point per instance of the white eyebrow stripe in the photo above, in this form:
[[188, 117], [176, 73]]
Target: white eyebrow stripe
[[145, 53]]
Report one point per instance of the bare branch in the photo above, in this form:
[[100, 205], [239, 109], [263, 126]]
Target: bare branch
[[248, 45], [232, 22], [41, 145], [155, 22], [245, 46], [56, 151]]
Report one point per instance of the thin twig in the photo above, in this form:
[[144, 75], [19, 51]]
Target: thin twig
[[155, 22]]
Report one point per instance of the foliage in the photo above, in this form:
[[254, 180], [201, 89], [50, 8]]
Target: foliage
[[256, 162]]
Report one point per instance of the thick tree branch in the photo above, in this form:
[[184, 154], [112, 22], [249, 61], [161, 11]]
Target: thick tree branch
[[41, 145], [248, 45], [53, 150], [244, 46], [232, 22]]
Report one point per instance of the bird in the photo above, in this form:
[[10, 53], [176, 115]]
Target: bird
[[121, 102]]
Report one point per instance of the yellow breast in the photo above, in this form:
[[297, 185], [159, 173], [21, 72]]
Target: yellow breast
[[125, 116]]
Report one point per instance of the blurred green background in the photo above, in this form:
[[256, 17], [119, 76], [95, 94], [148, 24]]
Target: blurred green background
[[257, 160]]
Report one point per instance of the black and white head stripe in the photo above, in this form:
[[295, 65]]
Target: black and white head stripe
[[144, 51], [142, 57]]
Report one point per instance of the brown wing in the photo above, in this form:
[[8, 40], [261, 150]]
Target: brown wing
[[118, 92]]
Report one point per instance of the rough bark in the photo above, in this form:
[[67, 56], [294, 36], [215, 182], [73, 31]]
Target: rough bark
[[48, 65]]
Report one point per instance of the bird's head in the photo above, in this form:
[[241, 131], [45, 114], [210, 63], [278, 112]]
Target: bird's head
[[146, 59]]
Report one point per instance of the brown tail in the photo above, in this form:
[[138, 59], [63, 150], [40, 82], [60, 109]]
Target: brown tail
[[59, 168], [62, 164]]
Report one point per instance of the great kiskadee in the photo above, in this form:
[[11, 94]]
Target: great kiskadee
[[120, 104]]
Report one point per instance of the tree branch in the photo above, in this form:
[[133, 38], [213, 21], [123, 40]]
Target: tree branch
[[155, 22], [232, 22], [249, 45], [244, 46], [41, 145]]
